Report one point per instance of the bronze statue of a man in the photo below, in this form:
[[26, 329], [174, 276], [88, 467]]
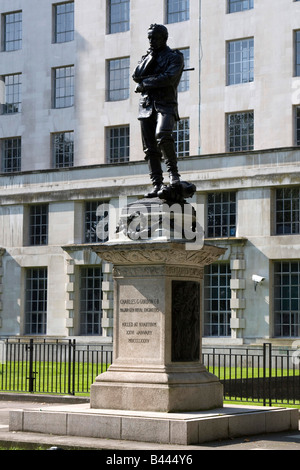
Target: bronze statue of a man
[[158, 75]]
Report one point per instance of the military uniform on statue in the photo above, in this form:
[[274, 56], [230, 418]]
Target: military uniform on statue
[[158, 75]]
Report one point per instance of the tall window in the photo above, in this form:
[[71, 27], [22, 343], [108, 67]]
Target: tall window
[[96, 226], [38, 224], [184, 83], [297, 53], [240, 5], [240, 131], [63, 149], [64, 87], [36, 301], [182, 137], [297, 125], [12, 37], [12, 93], [287, 211], [90, 301], [178, 10], [118, 79], [64, 22], [117, 144], [287, 298], [11, 154], [217, 294], [119, 16], [221, 214], [240, 61]]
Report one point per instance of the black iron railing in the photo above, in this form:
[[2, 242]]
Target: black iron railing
[[58, 367], [261, 374]]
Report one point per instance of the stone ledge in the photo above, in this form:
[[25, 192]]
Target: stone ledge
[[166, 428]]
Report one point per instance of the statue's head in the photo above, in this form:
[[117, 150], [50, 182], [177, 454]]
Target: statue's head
[[158, 36]]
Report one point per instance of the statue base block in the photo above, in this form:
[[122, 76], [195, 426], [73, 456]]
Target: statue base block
[[107, 394], [157, 343], [104, 429]]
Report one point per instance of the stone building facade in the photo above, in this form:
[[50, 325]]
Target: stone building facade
[[70, 143]]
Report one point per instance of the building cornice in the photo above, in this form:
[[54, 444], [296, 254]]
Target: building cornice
[[228, 171]]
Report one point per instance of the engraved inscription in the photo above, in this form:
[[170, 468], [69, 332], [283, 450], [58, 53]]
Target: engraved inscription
[[139, 331], [139, 320]]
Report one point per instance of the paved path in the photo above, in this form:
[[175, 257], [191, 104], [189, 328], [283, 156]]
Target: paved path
[[278, 441]]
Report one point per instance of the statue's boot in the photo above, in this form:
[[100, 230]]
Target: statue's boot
[[168, 150], [156, 176]]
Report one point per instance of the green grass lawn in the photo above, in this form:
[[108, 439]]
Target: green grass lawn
[[50, 377], [226, 373]]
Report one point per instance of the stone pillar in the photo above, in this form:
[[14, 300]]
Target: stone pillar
[[157, 362]]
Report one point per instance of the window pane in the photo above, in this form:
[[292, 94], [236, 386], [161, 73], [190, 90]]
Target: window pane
[[240, 5], [119, 15], [38, 225], [184, 83], [240, 131], [240, 61], [287, 211], [117, 144], [297, 53], [286, 299], [64, 87], [11, 155], [12, 98], [92, 234], [63, 149], [178, 10], [36, 301], [64, 22], [90, 301], [221, 215], [13, 31], [182, 137], [217, 294], [118, 79]]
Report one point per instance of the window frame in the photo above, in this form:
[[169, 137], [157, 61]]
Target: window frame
[[288, 206], [16, 41], [249, 136], [122, 151], [231, 3], [182, 145], [117, 75], [38, 224], [63, 79], [60, 158], [15, 106], [34, 302], [221, 229], [91, 220], [64, 32], [184, 84], [288, 293], [92, 286], [183, 13], [217, 305], [124, 24], [238, 51], [5, 158]]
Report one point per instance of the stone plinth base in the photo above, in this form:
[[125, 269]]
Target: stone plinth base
[[157, 362], [167, 392], [164, 428]]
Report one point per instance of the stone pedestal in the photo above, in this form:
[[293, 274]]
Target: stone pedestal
[[157, 320]]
